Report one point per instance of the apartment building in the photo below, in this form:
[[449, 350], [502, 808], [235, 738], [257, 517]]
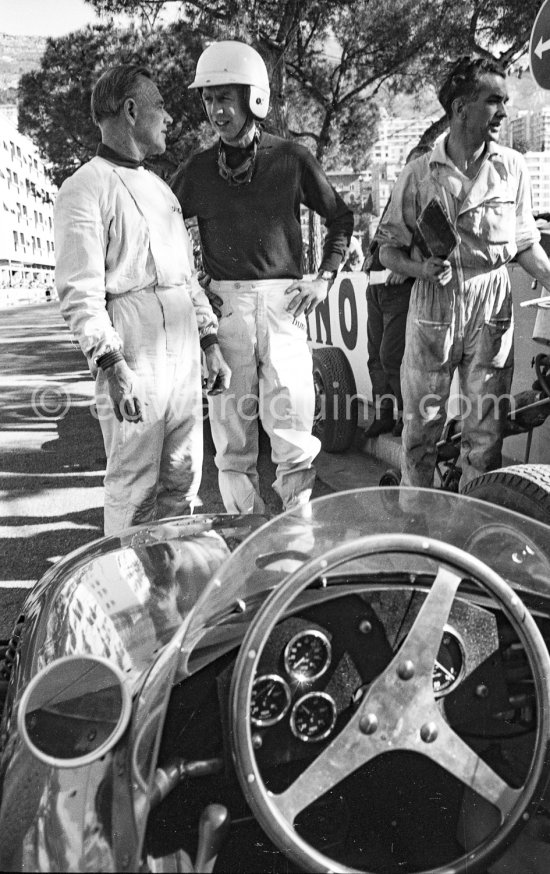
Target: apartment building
[[26, 212], [349, 186], [528, 131], [538, 165], [396, 137]]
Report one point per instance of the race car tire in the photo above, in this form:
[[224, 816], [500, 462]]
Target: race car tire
[[335, 420], [524, 488]]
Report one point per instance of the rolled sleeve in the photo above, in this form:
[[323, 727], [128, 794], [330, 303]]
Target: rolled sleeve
[[397, 225], [527, 232]]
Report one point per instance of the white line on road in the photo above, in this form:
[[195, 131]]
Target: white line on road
[[64, 473]]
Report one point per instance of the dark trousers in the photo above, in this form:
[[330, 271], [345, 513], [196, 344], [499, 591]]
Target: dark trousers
[[387, 307]]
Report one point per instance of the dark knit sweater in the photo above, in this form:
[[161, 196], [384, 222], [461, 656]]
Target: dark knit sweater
[[253, 231]]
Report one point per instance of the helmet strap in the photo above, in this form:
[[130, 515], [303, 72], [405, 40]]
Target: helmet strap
[[245, 136]]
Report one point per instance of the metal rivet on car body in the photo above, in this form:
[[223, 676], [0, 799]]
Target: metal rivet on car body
[[369, 723], [429, 732], [405, 670]]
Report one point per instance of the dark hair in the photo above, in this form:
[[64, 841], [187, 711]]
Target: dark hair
[[113, 87], [463, 77]]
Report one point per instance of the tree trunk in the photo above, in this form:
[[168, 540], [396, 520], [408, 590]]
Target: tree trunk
[[278, 116], [315, 248]]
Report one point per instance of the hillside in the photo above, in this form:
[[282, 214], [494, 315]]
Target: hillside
[[525, 94], [18, 55]]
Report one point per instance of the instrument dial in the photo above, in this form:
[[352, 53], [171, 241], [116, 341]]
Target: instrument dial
[[449, 664], [313, 717], [307, 655], [270, 700]]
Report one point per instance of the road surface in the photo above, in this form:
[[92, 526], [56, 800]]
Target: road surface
[[52, 460]]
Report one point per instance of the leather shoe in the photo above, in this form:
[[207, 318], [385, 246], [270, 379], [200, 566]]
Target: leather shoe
[[383, 425]]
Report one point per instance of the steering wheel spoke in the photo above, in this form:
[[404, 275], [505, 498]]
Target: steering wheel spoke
[[450, 752], [349, 750], [424, 639]]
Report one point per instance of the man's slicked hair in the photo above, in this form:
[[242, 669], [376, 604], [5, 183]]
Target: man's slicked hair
[[463, 77], [113, 87]]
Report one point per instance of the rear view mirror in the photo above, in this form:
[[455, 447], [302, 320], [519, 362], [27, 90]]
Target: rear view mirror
[[74, 711]]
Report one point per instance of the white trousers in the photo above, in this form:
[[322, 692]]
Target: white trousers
[[154, 467], [266, 348]]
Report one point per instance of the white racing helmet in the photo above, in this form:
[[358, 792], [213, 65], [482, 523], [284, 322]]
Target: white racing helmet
[[230, 62]]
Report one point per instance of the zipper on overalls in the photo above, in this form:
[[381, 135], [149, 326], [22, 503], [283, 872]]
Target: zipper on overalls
[[459, 307]]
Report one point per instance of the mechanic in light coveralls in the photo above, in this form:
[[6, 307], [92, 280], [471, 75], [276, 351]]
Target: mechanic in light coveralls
[[460, 315], [246, 192], [126, 282]]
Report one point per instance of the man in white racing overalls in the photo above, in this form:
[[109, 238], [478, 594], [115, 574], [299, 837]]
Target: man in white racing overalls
[[246, 192], [460, 314], [128, 291]]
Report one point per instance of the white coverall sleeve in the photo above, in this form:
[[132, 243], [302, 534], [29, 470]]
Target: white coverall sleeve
[[81, 243], [527, 232]]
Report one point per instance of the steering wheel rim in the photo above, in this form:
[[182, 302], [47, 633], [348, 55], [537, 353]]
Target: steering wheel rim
[[276, 813]]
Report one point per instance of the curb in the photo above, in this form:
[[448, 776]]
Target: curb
[[385, 448]]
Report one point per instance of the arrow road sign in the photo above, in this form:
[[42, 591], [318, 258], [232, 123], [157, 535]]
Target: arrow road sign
[[539, 47]]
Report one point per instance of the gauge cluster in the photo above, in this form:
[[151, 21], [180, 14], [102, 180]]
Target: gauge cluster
[[312, 714], [316, 666], [306, 658]]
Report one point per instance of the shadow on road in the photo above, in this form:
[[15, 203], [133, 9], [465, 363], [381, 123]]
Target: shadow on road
[[51, 494]]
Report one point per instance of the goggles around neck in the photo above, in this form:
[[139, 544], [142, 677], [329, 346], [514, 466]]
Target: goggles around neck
[[241, 174]]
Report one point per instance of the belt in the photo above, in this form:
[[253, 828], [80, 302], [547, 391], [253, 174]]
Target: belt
[[148, 288]]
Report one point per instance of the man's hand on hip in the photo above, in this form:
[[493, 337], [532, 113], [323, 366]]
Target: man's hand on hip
[[307, 294], [127, 404], [219, 372]]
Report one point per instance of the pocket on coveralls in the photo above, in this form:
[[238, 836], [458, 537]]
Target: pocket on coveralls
[[498, 222], [432, 343], [497, 342]]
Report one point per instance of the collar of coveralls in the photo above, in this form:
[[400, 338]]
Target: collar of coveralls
[[104, 151]]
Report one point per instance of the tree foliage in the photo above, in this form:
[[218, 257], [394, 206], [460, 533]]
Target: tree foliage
[[330, 63], [336, 54], [54, 101]]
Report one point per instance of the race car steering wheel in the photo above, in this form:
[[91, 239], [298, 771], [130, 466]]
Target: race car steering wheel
[[398, 710]]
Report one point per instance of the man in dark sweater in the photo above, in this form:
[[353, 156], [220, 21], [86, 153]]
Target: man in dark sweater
[[246, 192]]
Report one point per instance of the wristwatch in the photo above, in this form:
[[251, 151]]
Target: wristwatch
[[327, 275]]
